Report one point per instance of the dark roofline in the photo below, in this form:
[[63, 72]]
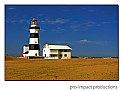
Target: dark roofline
[[26, 45]]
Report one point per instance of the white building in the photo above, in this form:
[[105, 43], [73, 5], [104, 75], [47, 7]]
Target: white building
[[56, 51], [25, 50]]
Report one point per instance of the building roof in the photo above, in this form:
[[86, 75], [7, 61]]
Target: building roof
[[26, 45], [56, 46]]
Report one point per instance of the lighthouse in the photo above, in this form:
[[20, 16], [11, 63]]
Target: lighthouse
[[34, 49]]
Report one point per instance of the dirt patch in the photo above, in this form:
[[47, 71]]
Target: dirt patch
[[67, 69]]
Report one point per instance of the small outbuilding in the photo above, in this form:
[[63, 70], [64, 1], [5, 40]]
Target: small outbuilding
[[56, 51], [25, 50]]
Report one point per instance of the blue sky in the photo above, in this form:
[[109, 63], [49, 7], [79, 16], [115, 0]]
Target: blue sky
[[89, 30]]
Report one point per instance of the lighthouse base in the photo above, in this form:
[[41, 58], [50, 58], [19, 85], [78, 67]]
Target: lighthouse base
[[35, 57], [34, 53]]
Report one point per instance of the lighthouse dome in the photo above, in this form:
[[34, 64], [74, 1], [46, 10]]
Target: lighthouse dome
[[34, 19]]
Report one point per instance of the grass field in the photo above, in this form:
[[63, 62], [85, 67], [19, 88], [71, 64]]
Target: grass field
[[68, 69]]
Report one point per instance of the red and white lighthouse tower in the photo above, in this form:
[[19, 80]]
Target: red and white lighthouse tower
[[34, 49]]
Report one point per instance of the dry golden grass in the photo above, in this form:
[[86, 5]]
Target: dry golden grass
[[68, 69]]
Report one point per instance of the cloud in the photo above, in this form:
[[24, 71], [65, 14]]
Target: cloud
[[11, 8], [42, 30], [54, 21], [106, 22], [80, 26], [91, 10], [13, 21], [84, 8], [58, 30], [92, 42], [98, 25], [90, 23], [57, 21], [42, 21], [87, 9], [103, 23], [22, 20], [77, 26], [84, 41]]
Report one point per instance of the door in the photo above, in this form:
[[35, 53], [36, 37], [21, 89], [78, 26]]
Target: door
[[60, 56]]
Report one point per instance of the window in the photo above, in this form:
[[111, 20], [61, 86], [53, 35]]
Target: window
[[53, 55], [53, 50], [65, 55], [64, 50], [34, 35], [34, 47], [60, 50]]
